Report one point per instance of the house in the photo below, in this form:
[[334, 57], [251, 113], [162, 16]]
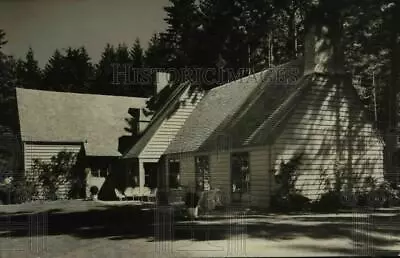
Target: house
[[88, 124], [239, 134], [142, 159]]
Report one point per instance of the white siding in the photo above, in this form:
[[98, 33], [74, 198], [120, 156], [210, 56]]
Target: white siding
[[171, 125], [329, 125], [220, 172], [260, 185], [44, 152]]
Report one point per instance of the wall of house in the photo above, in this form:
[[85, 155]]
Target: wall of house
[[329, 127], [171, 125], [260, 183], [44, 152]]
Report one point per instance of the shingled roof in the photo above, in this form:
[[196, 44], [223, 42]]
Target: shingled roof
[[221, 111], [95, 120]]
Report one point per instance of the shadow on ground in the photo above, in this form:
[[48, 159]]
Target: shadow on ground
[[133, 222]]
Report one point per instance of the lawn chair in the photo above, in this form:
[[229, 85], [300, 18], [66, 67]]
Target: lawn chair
[[129, 193], [151, 196], [119, 195], [146, 193], [136, 194]]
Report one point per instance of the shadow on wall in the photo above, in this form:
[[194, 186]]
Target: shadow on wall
[[332, 129]]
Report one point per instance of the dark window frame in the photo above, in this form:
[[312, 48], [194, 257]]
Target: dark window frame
[[174, 176]]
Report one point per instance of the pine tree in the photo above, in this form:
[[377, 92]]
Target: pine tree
[[104, 72], [29, 72]]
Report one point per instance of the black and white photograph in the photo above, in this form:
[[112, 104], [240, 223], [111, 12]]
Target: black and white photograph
[[199, 128]]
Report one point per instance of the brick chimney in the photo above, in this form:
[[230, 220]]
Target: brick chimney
[[162, 79]]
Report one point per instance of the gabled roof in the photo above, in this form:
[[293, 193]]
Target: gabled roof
[[157, 120], [220, 112], [95, 120]]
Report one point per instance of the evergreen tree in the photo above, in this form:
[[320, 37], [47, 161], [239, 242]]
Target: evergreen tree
[[104, 72], [29, 72]]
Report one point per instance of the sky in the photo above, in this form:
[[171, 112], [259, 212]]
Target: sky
[[46, 25]]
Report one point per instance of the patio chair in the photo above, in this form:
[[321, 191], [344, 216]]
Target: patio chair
[[129, 193], [152, 195], [145, 193], [136, 194], [119, 195]]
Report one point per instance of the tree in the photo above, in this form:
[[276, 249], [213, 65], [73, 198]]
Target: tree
[[137, 54], [104, 72], [8, 83], [29, 72], [155, 55], [54, 72], [182, 19]]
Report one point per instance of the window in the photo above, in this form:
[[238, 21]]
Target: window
[[174, 173], [202, 173], [240, 172], [396, 158]]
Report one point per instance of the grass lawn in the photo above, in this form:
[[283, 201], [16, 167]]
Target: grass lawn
[[92, 229]]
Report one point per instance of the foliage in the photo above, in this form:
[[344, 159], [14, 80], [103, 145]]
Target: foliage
[[288, 174], [17, 191], [23, 191], [57, 172], [286, 197]]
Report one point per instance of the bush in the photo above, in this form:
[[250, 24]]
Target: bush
[[290, 202], [94, 190], [329, 201], [211, 200], [22, 191], [60, 170], [17, 192]]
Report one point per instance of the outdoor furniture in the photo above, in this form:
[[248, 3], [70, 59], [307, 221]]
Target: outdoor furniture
[[145, 193], [137, 196], [119, 195], [151, 196], [129, 193]]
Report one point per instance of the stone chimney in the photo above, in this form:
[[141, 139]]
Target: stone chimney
[[323, 47], [162, 79]]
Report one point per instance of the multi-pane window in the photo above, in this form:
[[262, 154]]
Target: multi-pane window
[[240, 172], [202, 173], [174, 173]]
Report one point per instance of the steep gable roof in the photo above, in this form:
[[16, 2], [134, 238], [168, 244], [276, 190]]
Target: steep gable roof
[[220, 111], [157, 120], [95, 120]]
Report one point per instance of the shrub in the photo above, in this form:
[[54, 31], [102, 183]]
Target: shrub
[[286, 198], [290, 202], [94, 190], [59, 171], [329, 201], [211, 200], [18, 191], [22, 191]]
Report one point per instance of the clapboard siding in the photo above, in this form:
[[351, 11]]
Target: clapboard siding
[[170, 126], [329, 127], [187, 168], [260, 184], [220, 172], [45, 152]]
